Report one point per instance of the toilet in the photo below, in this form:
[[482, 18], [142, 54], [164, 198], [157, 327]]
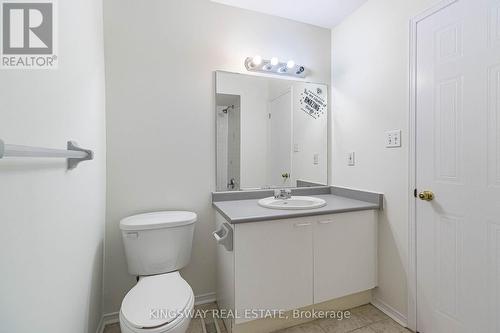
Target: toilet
[[157, 245]]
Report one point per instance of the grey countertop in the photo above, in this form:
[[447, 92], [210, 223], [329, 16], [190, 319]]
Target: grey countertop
[[241, 211]]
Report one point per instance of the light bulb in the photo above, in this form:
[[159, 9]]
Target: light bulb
[[257, 60], [274, 61], [290, 64]]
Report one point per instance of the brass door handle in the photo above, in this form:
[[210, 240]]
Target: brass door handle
[[426, 195]]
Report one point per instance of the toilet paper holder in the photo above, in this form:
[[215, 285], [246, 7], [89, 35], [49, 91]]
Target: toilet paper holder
[[224, 236]]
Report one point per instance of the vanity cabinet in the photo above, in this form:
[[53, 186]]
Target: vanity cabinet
[[345, 254], [292, 263], [273, 266]]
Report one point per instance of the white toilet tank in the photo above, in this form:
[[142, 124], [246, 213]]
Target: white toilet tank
[[159, 242]]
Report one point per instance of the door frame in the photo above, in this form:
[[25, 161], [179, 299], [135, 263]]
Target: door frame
[[281, 94], [412, 204]]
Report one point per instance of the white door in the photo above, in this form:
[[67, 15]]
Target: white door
[[458, 159], [280, 139]]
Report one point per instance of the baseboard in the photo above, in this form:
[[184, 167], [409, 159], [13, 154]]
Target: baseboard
[[204, 298], [100, 327], [108, 319], [390, 311], [267, 325], [111, 318]]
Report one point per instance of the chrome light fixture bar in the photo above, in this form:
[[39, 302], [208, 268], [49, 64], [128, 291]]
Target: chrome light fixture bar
[[274, 66]]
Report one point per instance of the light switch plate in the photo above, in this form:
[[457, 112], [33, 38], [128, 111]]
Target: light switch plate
[[351, 159], [296, 148], [316, 159], [393, 139]]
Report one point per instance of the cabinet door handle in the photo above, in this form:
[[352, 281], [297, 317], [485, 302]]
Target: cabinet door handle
[[299, 225], [325, 222]]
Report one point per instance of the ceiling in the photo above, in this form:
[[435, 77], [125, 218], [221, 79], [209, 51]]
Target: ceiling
[[323, 13]]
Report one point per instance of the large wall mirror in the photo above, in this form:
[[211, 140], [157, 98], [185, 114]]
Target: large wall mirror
[[271, 133]]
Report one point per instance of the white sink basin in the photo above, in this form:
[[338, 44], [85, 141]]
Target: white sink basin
[[295, 202]]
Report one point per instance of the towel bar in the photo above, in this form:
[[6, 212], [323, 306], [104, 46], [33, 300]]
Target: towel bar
[[74, 154]]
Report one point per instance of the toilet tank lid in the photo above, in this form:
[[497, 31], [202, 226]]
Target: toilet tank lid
[[158, 220]]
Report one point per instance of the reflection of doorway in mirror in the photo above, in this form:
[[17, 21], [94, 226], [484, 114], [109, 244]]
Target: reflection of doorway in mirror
[[280, 139], [234, 150], [228, 143]]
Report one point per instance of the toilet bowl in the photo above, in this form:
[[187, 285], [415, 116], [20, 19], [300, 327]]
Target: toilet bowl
[[157, 304], [157, 245]]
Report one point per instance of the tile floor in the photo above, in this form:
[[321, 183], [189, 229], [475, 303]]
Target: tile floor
[[364, 319]]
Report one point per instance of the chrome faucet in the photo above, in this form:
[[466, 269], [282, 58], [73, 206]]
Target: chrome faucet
[[284, 193], [232, 184]]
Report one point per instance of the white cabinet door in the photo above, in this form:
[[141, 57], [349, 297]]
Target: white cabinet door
[[345, 254], [273, 265]]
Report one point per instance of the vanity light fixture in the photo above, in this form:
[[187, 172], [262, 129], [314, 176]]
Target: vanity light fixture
[[256, 61], [274, 66], [268, 67]]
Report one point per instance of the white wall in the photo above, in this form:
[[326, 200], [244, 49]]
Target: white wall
[[52, 220], [370, 95], [160, 58]]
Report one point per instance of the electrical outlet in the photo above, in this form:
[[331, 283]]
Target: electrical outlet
[[316, 159], [393, 139], [296, 148], [351, 159]]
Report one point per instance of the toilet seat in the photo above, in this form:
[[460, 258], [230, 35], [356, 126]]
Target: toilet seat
[[157, 302]]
